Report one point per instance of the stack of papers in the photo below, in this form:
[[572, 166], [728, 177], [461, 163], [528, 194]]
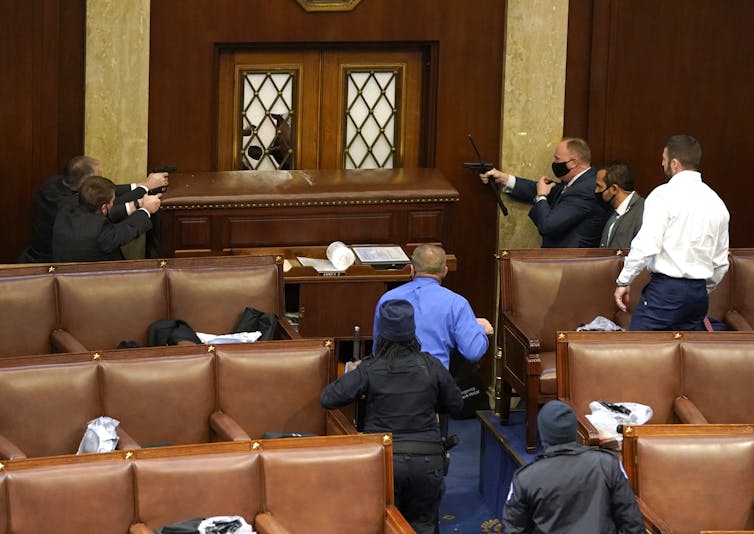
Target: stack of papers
[[321, 266], [392, 255]]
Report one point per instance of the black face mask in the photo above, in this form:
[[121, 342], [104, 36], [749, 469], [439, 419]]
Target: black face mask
[[599, 196], [560, 169]]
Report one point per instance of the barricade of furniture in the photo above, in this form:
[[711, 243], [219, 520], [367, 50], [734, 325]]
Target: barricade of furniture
[[95, 306], [690, 478], [322, 484], [685, 377], [543, 291], [167, 395]]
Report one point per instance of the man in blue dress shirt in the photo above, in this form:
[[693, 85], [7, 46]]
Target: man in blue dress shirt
[[444, 319]]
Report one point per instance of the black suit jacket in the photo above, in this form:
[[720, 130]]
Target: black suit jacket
[[80, 235], [626, 226], [571, 217], [51, 197]]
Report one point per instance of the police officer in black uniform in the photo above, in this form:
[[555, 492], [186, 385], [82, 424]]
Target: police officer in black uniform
[[405, 389], [571, 488]]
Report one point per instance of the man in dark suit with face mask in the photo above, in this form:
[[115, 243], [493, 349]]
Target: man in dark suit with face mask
[[85, 231], [615, 187], [566, 212]]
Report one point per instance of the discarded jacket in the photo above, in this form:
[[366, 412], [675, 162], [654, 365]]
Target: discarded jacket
[[253, 320], [170, 332]]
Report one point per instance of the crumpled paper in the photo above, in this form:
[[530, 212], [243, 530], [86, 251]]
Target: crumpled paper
[[225, 524], [600, 323], [606, 421], [100, 436]]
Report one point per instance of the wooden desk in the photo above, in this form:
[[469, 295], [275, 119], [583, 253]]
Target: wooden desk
[[212, 212], [330, 306]]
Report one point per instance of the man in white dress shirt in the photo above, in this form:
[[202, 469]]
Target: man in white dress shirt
[[683, 242]]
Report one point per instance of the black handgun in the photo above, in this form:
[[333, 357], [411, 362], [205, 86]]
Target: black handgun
[[481, 167], [615, 407], [163, 188], [165, 168]]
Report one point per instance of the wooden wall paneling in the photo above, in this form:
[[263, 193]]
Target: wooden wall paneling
[[16, 112], [657, 69], [72, 49], [41, 103], [306, 62], [599, 78], [699, 80], [465, 42], [408, 59], [578, 59]]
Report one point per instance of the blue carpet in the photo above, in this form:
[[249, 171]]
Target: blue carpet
[[473, 501], [463, 509]]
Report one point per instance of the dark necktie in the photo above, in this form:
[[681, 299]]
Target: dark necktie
[[559, 194], [609, 227]]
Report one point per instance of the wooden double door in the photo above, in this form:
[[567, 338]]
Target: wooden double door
[[323, 108]]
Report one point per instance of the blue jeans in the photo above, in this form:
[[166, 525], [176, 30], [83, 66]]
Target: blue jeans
[[671, 304]]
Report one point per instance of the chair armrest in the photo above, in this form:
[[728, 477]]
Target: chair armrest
[[338, 424], [285, 330], [532, 343], [63, 341], [737, 321], [395, 523], [226, 428], [265, 523], [125, 441], [622, 319], [9, 450], [519, 345], [588, 434], [687, 412], [140, 528], [654, 523]]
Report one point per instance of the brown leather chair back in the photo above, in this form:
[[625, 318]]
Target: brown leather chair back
[[548, 295], [44, 409], [173, 489], [3, 505], [720, 300], [742, 264], [29, 312], [161, 400], [71, 499], [698, 482], [101, 309], [309, 490], [287, 400], [717, 378], [645, 372], [212, 299]]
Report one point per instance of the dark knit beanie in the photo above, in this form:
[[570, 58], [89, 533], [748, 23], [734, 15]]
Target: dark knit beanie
[[557, 423], [396, 321]]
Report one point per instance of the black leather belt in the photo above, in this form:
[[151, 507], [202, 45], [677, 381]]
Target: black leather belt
[[421, 448]]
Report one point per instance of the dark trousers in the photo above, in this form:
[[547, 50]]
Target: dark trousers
[[418, 489], [671, 304]]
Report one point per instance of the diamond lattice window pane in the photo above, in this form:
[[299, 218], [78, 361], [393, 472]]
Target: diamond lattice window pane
[[268, 124], [371, 133]]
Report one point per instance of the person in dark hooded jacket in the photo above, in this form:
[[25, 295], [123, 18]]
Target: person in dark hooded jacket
[[405, 389], [570, 488]]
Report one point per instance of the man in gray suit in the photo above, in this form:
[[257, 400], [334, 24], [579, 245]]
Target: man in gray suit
[[615, 186]]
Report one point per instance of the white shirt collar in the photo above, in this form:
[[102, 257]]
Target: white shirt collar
[[623, 206], [686, 175], [573, 180]]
